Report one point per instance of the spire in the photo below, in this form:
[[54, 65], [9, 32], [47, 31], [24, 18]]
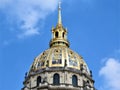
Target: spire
[[59, 33], [59, 14]]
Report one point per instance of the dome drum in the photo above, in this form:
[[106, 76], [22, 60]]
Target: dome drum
[[66, 80], [61, 69]]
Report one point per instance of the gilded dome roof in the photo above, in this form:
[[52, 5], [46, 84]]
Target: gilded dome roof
[[59, 56]]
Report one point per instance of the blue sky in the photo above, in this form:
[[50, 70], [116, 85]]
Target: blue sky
[[93, 31]]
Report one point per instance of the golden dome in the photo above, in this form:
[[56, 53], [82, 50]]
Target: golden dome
[[59, 54], [59, 57]]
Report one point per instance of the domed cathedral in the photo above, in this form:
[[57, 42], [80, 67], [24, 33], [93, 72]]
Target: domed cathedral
[[59, 67]]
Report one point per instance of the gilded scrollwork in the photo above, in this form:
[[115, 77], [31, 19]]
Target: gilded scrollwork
[[57, 56], [42, 60], [72, 59]]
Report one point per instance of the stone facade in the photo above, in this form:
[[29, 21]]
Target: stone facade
[[65, 79]]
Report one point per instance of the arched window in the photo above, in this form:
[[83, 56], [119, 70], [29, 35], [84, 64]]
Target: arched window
[[63, 34], [38, 80], [74, 80], [56, 34], [56, 79]]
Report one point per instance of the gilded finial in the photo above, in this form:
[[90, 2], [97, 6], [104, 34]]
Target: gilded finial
[[59, 14]]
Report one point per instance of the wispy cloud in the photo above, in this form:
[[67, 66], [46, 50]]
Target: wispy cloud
[[110, 74], [27, 14]]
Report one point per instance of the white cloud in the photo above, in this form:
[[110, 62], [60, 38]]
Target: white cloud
[[28, 13], [111, 74]]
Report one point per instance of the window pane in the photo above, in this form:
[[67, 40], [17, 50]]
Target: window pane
[[56, 79], [74, 80], [38, 80]]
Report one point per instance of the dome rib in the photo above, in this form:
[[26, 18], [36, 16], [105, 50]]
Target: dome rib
[[58, 57]]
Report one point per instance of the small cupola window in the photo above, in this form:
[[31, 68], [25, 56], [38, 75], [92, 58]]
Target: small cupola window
[[56, 34], [63, 34]]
